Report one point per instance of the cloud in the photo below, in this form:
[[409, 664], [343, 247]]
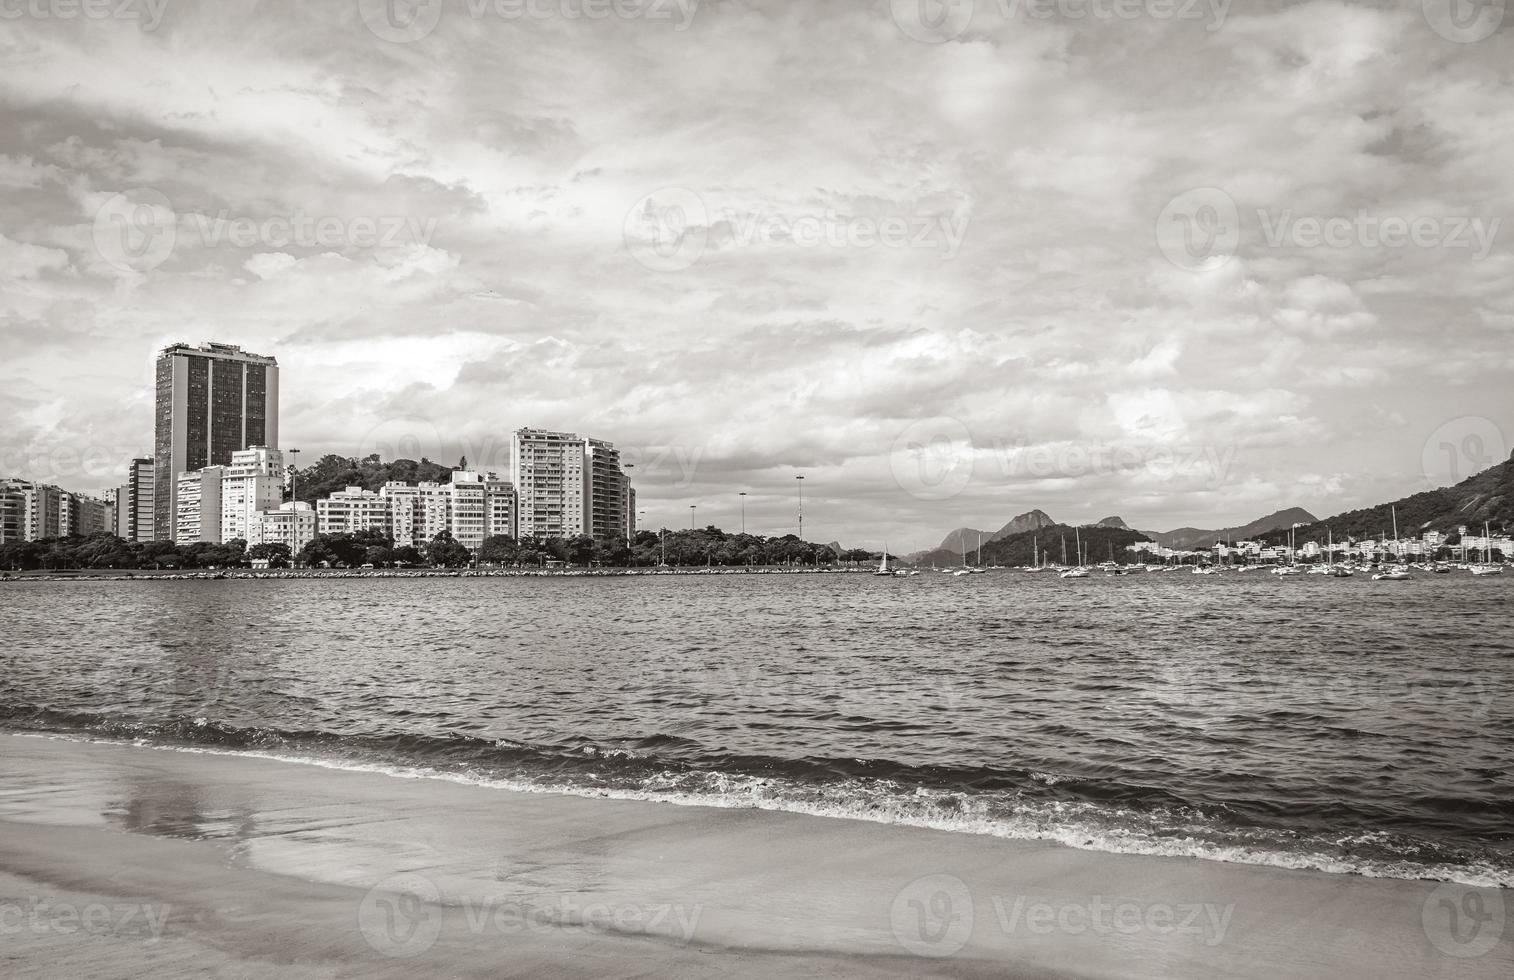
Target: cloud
[[498, 164]]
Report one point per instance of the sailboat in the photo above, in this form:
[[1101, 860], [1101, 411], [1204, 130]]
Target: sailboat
[[1290, 568], [1332, 569], [1079, 571], [1487, 567], [882, 569], [978, 568], [1035, 554], [1396, 574]]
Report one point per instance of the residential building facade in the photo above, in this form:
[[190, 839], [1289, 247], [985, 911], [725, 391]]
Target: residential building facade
[[199, 506], [252, 482], [351, 510]]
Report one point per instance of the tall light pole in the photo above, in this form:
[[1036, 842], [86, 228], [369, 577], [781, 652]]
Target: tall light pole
[[801, 506], [294, 501], [691, 516], [742, 495]]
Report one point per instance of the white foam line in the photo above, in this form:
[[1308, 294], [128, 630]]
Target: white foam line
[[1072, 836]]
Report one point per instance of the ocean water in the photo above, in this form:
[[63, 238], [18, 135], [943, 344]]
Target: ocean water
[[1347, 725]]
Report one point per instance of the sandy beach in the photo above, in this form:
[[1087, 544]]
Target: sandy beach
[[121, 860]]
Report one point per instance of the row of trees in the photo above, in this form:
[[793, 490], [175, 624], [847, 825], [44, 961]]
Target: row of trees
[[108, 551], [710, 546]]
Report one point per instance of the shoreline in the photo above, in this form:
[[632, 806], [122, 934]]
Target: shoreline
[[500, 880], [148, 574]]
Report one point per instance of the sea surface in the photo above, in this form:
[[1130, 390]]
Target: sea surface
[[1347, 725]]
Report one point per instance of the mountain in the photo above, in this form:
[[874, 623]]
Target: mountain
[[965, 539], [1028, 521], [1186, 538], [1101, 542], [1487, 496], [1112, 522]]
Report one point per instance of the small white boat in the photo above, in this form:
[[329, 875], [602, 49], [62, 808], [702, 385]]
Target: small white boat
[[1392, 575], [1074, 573]]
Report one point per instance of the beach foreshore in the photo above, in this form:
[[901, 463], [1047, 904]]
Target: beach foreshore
[[120, 860]]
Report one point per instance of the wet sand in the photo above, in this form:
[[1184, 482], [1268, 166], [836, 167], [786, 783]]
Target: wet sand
[[126, 861]]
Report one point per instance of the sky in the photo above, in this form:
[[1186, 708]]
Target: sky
[[1187, 263]]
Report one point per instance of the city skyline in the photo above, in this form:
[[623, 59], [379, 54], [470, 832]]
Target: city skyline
[[514, 252]]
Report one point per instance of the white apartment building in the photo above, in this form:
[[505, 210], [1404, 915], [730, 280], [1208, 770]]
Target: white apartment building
[[417, 512], [499, 506], [198, 501], [291, 524], [549, 483], [351, 510], [469, 510], [253, 482], [567, 485]]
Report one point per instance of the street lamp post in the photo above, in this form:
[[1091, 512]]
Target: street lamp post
[[801, 506], [691, 516], [294, 501], [742, 495]]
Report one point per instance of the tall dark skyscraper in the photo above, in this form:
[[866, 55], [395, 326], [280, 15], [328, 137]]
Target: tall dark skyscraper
[[212, 400]]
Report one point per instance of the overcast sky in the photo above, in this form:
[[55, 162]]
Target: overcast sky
[[1182, 269]]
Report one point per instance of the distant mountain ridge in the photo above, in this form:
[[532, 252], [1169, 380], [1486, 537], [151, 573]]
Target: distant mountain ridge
[[1189, 538], [964, 539], [1483, 497]]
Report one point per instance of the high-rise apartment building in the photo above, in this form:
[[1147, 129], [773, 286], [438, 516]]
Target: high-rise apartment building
[[469, 506], [12, 510], [82, 514], [136, 518], [566, 485], [30, 511], [199, 503], [253, 482], [549, 483], [606, 502], [212, 401], [499, 506]]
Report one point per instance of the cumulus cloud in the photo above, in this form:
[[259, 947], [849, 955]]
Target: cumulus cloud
[[878, 232]]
